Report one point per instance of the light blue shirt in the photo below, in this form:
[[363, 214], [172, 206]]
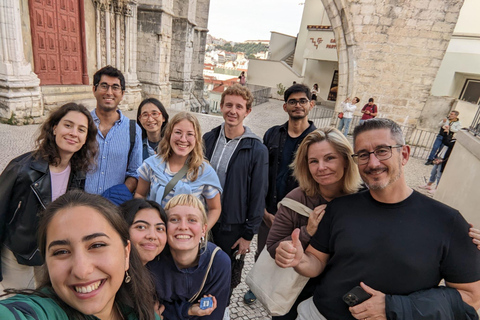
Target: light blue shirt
[[112, 156]]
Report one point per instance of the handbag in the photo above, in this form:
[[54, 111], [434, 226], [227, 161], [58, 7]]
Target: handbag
[[195, 297], [237, 267], [275, 287], [340, 115]]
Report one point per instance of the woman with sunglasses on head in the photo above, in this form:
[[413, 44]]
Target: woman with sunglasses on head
[[324, 170], [152, 117], [190, 268], [180, 158], [91, 270], [65, 149]]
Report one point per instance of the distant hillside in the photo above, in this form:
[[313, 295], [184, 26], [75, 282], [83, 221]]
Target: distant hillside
[[247, 48]]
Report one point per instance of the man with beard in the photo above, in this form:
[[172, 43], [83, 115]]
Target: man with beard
[[282, 142], [394, 242]]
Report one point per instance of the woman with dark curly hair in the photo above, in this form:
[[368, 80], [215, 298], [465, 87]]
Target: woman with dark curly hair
[[91, 269], [65, 150]]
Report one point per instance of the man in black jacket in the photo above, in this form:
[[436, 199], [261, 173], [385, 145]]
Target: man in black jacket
[[241, 162]]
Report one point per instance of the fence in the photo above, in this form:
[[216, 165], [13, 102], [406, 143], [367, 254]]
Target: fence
[[475, 126], [419, 140], [261, 94]]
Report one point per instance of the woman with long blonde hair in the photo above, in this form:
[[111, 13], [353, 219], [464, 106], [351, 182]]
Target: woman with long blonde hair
[[324, 170], [181, 149]]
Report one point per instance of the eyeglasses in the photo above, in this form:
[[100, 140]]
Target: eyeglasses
[[103, 87], [381, 153], [293, 102], [154, 115]]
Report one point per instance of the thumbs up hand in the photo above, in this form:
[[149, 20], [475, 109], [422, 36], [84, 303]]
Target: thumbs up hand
[[290, 252]]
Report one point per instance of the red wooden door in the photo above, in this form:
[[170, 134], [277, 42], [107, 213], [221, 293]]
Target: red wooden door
[[56, 41]]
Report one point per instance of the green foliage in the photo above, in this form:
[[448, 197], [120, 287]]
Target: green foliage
[[12, 120], [281, 89], [247, 48]]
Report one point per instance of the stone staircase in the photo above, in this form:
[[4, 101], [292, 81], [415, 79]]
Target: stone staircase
[[289, 59]]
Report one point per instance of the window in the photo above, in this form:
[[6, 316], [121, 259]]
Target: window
[[471, 91]]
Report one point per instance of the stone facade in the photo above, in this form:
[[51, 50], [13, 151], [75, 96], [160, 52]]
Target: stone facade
[[391, 50], [145, 39]]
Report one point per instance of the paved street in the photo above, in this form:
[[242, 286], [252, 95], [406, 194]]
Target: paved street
[[17, 140]]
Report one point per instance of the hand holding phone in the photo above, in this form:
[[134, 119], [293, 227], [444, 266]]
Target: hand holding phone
[[356, 296]]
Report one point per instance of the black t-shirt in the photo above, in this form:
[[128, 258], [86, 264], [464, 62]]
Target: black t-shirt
[[394, 248], [284, 170]]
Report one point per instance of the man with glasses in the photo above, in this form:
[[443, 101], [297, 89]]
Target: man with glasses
[[120, 142], [394, 242], [282, 142]]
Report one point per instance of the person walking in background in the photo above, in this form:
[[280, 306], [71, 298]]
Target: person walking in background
[[369, 111], [243, 79], [448, 127], [119, 139], [65, 150], [315, 92], [152, 117], [349, 106]]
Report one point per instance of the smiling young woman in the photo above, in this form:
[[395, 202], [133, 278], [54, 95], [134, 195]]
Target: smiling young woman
[[147, 221], [91, 269], [65, 150], [152, 117], [187, 262], [181, 147]]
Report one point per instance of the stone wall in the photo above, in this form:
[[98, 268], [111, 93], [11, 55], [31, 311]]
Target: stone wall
[[154, 49], [391, 50]]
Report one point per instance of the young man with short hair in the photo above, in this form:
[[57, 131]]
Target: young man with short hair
[[117, 161], [241, 162]]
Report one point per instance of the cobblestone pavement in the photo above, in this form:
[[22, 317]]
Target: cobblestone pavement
[[17, 140]]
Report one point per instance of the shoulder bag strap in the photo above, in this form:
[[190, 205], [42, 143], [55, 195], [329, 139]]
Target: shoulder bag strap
[[132, 139], [179, 175], [195, 297], [296, 206]]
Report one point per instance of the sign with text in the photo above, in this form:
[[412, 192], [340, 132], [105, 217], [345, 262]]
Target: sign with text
[[321, 45]]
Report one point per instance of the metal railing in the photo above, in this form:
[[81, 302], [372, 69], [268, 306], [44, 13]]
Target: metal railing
[[261, 94], [475, 126], [419, 140]]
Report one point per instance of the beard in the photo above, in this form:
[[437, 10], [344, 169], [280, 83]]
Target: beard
[[378, 184]]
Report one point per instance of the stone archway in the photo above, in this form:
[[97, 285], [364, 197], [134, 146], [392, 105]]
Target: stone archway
[[391, 50]]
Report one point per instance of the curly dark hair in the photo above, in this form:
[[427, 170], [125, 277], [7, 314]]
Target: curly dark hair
[[111, 72], [162, 110], [139, 293], [46, 148]]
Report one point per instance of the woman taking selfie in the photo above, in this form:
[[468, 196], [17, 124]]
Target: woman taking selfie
[[147, 227], [152, 117], [65, 150], [91, 270], [190, 268], [324, 170], [179, 168]]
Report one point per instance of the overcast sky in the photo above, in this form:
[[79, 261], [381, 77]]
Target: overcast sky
[[242, 20]]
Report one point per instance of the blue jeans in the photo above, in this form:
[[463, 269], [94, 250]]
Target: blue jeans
[[436, 146], [345, 125], [435, 174]]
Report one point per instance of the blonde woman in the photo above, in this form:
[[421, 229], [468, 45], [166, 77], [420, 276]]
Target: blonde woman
[[181, 146], [324, 170], [182, 267]]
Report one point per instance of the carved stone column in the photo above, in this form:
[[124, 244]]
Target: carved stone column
[[19, 86]]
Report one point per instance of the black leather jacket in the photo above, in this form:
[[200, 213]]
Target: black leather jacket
[[25, 190]]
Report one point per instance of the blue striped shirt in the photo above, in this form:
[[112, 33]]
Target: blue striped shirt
[[112, 156]]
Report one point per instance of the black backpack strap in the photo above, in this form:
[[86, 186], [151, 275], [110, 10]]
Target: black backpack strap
[[132, 140]]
